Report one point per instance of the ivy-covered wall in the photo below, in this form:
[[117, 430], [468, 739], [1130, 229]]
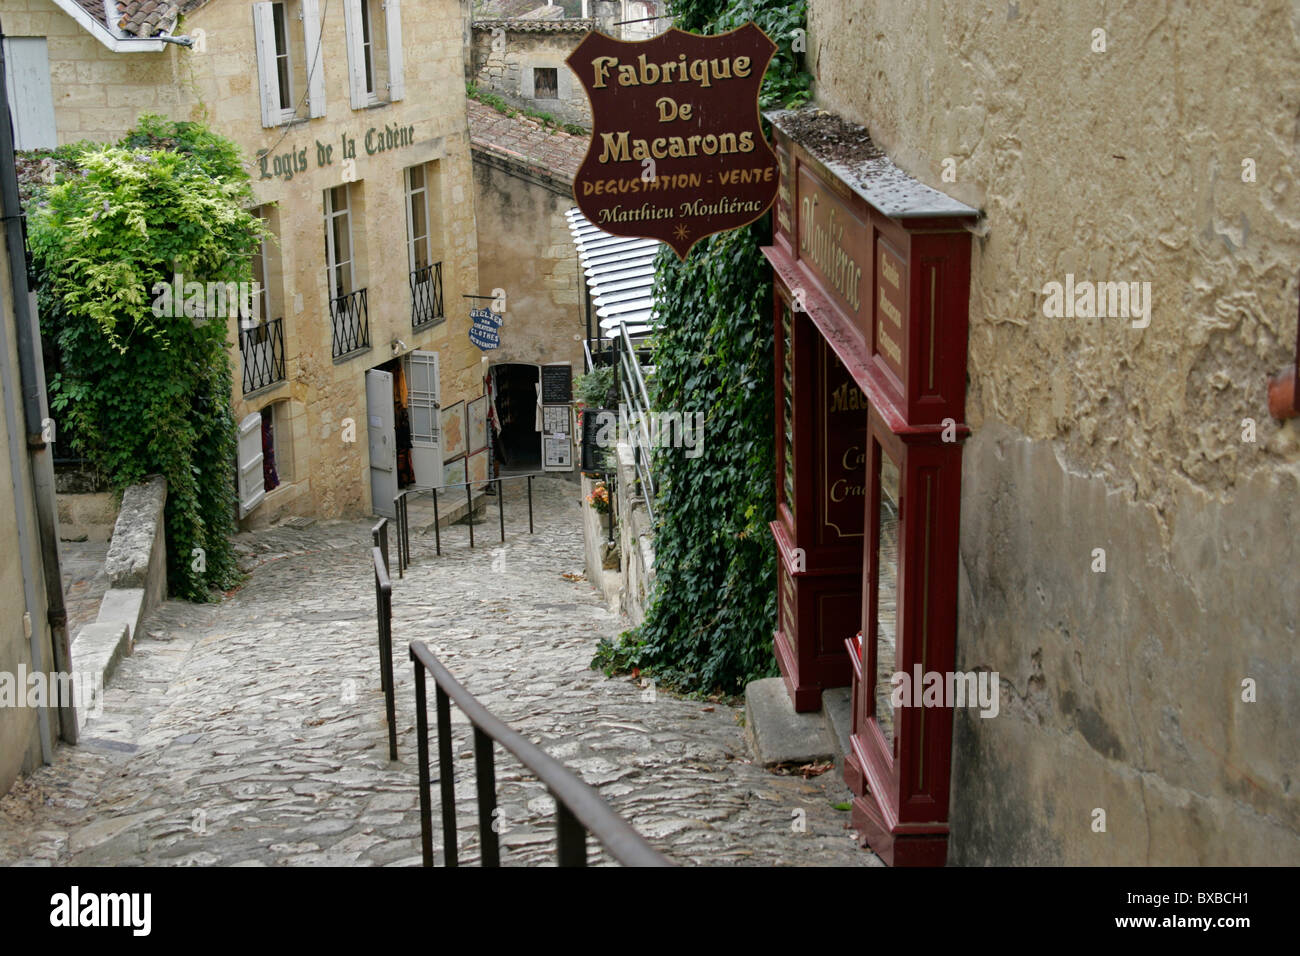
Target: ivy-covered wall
[[710, 624]]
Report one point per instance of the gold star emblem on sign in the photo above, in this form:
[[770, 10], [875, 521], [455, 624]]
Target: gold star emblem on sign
[[681, 232]]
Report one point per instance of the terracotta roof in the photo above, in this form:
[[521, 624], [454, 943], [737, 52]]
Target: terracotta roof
[[554, 152], [140, 18], [528, 25]]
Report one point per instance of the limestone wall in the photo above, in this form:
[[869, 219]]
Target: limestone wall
[[525, 247], [1122, 690]]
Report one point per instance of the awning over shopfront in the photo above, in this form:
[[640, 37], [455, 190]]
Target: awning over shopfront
[[619, 272]]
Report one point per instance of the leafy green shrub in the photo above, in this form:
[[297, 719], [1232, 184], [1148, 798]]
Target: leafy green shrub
[[143, 393], [595, 389], [714, 606]]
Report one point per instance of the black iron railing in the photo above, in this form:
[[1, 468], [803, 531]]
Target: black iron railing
[[400, 507], [579, 809], [384, 616], [426, 296], [350, 322], [261, 348]]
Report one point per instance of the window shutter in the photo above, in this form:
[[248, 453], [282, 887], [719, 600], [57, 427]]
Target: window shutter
[[268, 85], [252, 486], [393, 26], [356, 56], [31, 103], [311, 26]]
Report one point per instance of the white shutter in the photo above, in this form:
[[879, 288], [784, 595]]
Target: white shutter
[[356, 55], [424, 409], [311, 26], [393, 26], [252, 486], [268, 84], [27, 81]]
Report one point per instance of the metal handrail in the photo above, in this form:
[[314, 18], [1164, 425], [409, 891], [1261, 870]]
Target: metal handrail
[[384, 614], [634, 393], [403, 521], [579, 808]]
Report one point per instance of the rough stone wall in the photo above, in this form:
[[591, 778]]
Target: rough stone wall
[[525, 247], [1122, 690], [509, 73]]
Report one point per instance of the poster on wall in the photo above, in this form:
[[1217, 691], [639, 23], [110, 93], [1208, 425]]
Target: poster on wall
[[478, 436], [453, 431], [677, 150], [477, 467], [557, 453], [453, 472]]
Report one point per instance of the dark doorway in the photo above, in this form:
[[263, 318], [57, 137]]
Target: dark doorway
[[519, 445]]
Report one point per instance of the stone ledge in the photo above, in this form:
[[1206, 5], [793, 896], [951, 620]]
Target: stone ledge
[[777, 735], [131, 558], [96, 651]]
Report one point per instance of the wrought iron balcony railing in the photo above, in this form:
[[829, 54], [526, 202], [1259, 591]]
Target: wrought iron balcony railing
[[350, 321], [261, 349], [426, 296]]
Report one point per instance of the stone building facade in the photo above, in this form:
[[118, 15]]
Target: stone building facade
[[352, 117], [1129, 532], [523, 185]]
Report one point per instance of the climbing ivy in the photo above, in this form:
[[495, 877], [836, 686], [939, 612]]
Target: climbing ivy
[[144, 393], [709, 627]]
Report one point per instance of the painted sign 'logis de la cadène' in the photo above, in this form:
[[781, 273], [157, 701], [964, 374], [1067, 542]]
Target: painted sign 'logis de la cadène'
[[676, 151]]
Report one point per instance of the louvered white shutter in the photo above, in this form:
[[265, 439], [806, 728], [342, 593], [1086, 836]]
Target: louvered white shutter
[[356, 54], [393, 26], [252, 486], [311, 25], [268, 84]]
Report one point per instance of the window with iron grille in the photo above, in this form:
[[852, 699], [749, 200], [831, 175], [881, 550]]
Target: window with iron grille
[[261, 333], [349, 317], [425, 273]]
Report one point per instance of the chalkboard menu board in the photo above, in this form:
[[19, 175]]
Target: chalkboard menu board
[[557, 384]]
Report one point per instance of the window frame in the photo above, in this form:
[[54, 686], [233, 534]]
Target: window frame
[[411, 239], [332, 262]]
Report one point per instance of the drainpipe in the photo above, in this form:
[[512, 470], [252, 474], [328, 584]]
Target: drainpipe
[[32, 371]]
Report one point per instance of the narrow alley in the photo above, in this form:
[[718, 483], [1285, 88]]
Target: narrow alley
[[251, 732]]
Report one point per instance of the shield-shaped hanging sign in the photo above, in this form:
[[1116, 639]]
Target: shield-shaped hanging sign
[[677, 152]]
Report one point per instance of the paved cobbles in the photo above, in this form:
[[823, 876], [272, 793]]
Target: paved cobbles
[[251, 731]]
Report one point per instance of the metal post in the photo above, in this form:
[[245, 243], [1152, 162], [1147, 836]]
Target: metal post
[[530, 504], [397, 518], [422, 742], [571, 837], [406, 532], [485, 782], [446, 777], [437, 531], [469, 513], [501, 511]]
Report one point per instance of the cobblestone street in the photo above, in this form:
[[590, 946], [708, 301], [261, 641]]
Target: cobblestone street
[[252, 732]]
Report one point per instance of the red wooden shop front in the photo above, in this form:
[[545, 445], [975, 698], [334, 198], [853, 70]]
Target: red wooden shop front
[[872, 274]]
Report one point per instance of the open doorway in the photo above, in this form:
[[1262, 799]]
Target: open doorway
[[515, 389]]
